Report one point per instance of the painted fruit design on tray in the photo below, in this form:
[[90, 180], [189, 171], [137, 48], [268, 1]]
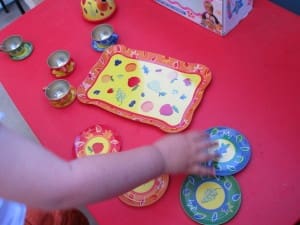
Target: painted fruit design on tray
[[146, 90]]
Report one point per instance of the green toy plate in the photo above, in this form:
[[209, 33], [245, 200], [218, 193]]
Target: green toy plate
[[210, 200]]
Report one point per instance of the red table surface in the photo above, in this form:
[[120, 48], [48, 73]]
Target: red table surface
[[255, 89]]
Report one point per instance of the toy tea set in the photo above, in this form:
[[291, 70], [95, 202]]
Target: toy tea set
[[152, 89], [60, 92]]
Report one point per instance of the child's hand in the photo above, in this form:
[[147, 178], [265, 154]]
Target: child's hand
[[187, 153]]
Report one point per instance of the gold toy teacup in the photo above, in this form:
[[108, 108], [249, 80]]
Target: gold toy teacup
[[60, 93], [61, 64], [13, 46]]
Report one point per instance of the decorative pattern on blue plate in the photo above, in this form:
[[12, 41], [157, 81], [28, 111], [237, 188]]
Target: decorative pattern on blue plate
[[234, 150], [209, 200]]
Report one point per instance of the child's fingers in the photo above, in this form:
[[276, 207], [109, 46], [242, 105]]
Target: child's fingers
[[197, 136], [206, 156], [200, 170], [201, 141], [207, 146]]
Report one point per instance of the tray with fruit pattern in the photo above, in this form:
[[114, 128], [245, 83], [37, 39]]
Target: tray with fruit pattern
[[146, 87]]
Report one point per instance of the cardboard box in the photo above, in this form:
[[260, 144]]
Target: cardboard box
[[219, 16]]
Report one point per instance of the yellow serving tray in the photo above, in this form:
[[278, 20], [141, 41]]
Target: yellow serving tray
[[146, 87]]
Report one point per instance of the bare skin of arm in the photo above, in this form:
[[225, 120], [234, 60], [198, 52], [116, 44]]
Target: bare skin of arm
[[31, 174]]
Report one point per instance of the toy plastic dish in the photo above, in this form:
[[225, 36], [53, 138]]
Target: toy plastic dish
[[11, 43], [210, 201], [97, 139], [60, 93], [102, 32], [146, 194], [67, 101], [61, 63], [145, 87], [58, 59], [28, 48], [234, 150]]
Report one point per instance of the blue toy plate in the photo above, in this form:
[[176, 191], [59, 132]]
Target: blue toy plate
[[234, 150], [209, 200]]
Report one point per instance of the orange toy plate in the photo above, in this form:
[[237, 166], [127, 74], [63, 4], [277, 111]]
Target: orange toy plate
[[146, 194], [97, 139], [146, 87]]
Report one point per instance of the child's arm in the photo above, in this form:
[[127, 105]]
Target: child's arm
[[33, 175]]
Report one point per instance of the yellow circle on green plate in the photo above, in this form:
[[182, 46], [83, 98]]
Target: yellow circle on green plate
[[210, 195]]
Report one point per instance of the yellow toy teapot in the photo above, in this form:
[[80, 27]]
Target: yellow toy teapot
[[97, 10]]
